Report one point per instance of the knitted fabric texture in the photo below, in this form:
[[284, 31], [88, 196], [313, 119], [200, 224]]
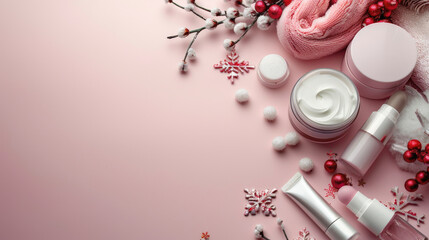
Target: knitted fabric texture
[[311, 29], [418, 26]]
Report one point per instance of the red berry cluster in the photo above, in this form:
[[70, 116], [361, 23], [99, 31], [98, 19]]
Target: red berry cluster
[[274, 7], [339, 179], [380, 11], [415, 152]]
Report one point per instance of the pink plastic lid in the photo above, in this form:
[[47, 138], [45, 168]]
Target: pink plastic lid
[[382, 55]]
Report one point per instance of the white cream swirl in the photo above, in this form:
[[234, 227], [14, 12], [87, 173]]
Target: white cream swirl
[[326, 96]]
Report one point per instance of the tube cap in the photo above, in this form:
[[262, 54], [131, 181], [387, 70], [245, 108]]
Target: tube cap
[[342, 230]]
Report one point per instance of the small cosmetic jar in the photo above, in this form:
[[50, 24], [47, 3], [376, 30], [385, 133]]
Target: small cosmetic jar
[[273, 71], [323, 105], [380, 59]]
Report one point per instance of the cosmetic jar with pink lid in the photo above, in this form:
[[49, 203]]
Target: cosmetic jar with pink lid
[[323, 104], [380, 59]]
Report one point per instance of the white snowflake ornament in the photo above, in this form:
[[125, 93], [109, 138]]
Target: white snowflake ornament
[[260, 201]]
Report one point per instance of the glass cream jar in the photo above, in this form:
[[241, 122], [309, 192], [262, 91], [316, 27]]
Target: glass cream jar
[[323, 104]]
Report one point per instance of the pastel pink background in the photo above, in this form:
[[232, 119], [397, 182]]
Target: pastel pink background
[[102, 138]]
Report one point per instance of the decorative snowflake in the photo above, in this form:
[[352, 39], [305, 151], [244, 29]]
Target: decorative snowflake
[[205, 236], [260, 200], [401, 201], [304, 235], [361, 182], [233, 66], [330, 191]]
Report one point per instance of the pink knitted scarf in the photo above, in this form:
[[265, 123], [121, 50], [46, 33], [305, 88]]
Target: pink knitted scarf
[[312, 29]]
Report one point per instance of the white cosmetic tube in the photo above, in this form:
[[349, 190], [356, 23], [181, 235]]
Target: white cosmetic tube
[[334, 226]]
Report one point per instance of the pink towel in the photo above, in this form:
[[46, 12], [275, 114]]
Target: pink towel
[[312, 29]]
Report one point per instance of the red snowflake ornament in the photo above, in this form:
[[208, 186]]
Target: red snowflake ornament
[[330, 191], [233, 66], [304, 235]]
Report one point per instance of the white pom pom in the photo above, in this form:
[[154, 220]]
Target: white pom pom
[[292, 138], [229, 23], [249, 2], [183, 32], [306, 164], [216, 12], [192, 54], [270, 113], [232, 13], [242, 95], [240, 28], [279, 143], [228, 44], [249, 13], [211, 24], [189, 7], [264, 22], [183, 67]]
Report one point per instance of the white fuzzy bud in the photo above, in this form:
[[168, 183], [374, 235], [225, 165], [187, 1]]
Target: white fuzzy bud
[[229, 23], [210, 24], [192, 54], [232, 13], [264, 22], [248, 2], [216, 12], [249, 13], [228, 44], [240, 28], [183, 32], [189, 7], [183, 67]]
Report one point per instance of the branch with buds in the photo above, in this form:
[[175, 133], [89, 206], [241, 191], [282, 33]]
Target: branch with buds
[[261, 13]]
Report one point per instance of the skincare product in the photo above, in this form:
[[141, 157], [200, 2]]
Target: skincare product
[[380, 220], [323, 105], [273, 71], [334, 226], [373, 136], [380, 59]]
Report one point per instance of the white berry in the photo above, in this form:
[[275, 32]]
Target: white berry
[[292, 138], [242, 95], [270, 113], [306, 164], [279, 143]]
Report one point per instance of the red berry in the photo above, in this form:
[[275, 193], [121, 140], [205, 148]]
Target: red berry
[[330, 166], [387, 13], [338, 180], [260, 6], [380, 4], [410, 156], [287, 2], [385, 21], [414, 144], [275, 11], [427, 148], [367, 21], [422, 177], [426, 159], [411, 185], [374, 10], [390, 4]]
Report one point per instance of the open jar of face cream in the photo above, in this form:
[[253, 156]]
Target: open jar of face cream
[[323, 104]]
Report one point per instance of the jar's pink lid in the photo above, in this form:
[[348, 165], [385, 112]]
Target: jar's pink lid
[[382, 55]]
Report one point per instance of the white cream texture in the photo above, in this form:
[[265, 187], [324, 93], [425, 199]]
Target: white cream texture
[[326, 97]]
